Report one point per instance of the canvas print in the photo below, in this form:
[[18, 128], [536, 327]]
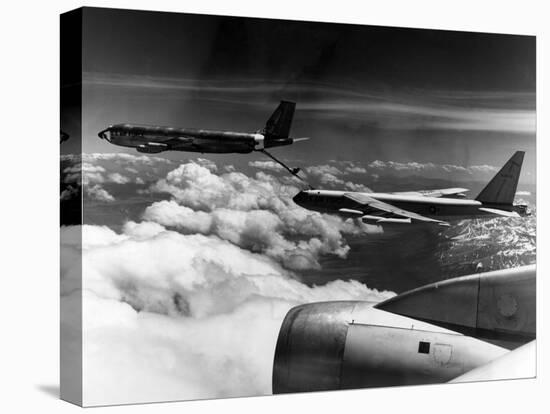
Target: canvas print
[[254, 206]]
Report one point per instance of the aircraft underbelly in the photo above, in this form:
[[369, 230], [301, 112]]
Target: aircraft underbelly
[[219, 145], [214, 149], [214, 146]]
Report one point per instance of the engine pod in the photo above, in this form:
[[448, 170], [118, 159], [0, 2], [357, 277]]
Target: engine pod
[[310, 347], [344, 345]]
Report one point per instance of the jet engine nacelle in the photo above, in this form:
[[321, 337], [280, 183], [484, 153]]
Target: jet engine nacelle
[[152, 148], [259, 142], [384, 220], [343, 345]]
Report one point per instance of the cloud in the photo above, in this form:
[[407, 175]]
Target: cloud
[[266, 165], [320, 170], [209, 164], [257, 214], [96, 192], [95, 170], [121, 157], [90, 177], [84, 172], [172, 316], [374, 170], [488, 169], [117, 178], [356, 170], [431, 170], [502, 111], [326, 174], [430, 114], [188, 303], [357, 187], [69, 192]]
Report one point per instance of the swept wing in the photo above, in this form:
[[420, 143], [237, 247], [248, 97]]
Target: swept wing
[[372, 203], [442, 192]]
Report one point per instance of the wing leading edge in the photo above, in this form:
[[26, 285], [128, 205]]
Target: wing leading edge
[[443, 192]]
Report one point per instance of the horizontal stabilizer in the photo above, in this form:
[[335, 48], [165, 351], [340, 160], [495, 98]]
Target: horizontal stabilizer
[[300, 139], [498, 212]]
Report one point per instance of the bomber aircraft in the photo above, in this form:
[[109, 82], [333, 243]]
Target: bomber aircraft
[[435, 206], [470, 328], [154, 139]]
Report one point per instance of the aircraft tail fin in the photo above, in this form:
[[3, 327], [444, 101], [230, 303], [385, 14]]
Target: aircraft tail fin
[[278, 125], [502, 188]]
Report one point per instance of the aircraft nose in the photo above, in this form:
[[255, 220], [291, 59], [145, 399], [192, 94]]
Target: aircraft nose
[[105, 134], [299, 198]]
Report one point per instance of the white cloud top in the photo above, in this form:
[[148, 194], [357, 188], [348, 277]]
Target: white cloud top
[[172, 316]]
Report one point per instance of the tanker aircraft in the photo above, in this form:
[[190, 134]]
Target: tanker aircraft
[[435, 206], [154, 139], [471, 328]]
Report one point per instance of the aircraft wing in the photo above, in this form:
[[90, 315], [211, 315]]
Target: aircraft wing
[[442, 192], [519, 363], [367, 201]]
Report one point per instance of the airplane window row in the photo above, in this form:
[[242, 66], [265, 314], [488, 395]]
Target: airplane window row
[[125, 133]]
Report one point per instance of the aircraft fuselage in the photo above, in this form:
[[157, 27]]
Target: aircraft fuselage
[[153, 139], [441, 208]]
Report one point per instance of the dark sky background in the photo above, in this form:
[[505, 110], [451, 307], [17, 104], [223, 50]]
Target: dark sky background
[[363, 92]]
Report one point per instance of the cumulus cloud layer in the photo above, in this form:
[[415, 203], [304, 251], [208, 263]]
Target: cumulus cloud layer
[[337, 173], [356, 176], [173, 316], [93, 171], [431, 169], [188, 303], [257, 214], [267, 165]]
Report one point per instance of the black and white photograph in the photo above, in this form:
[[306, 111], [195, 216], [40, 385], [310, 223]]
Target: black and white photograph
[[258, 206]]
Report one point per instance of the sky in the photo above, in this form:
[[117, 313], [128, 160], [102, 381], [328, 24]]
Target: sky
[[363, 93], [189, 262]]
